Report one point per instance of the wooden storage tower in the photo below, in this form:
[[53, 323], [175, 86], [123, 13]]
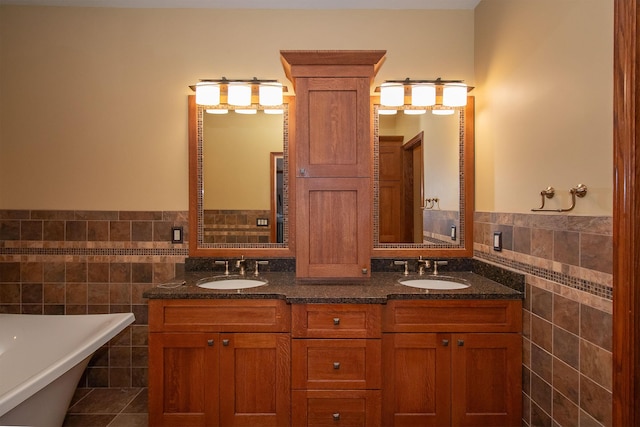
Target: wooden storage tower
[[332, 151]]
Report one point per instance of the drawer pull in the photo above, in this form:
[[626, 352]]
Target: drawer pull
[[336, 416], [445, 343], [225, 343], [210, 343], [336, 365], [460, 343], [336, 321]]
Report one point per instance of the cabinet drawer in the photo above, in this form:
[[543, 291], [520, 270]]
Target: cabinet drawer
[[336, 364], [219, 315], [344, 408], [336, 320], [453, 316]]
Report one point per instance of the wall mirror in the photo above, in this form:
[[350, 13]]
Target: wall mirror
[[423, 183], [238, 181]]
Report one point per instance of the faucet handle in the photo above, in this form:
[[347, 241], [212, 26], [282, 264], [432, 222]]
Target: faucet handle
[[258, 263], [406, 266], [226, 265]]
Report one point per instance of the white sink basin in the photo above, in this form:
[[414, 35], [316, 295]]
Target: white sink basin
[[433, 284], [233, 283]]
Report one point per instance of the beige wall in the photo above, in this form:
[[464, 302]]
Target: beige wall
[[93, 106], [544, 103]]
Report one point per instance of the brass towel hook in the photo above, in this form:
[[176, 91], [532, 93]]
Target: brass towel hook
[[578, 191]]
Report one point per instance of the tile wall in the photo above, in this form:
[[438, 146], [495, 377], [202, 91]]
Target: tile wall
[[236, 226], [73, 262], [567, 323], [83, 262]]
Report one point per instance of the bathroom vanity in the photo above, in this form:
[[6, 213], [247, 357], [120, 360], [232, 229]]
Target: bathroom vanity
[[371, 354]]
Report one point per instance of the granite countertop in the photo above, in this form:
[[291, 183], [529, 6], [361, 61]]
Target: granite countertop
[[378, 289]]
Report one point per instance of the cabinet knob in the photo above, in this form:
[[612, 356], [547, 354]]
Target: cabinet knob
[[225, 343], [210, 343], [445, 343], [336, 365], [336, 321], [460, 343], [336, 416]]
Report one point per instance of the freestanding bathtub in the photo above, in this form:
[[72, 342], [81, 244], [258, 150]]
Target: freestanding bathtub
[[42, 359]]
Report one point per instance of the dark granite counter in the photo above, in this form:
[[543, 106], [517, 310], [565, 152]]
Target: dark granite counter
[[380, 288]]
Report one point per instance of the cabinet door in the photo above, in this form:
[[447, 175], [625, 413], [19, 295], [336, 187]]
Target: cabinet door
[[333, 228], [332, 127], [417, 379], [255, 379], [486, 380], [183, 382]]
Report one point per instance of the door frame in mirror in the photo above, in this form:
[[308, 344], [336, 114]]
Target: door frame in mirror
[[196, 213], [467, 189]]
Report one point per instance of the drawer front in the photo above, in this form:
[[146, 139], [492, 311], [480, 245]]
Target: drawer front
[[336, 364], [336, 320], [344, 408], [219, 315], [453, 316]]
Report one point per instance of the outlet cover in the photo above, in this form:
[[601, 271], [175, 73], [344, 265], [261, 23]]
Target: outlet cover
[[497, 241]]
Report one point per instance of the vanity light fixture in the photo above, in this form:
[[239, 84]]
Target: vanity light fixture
[[207, 93], [392, 94], [438, 95], [240, 93], [270, 94]]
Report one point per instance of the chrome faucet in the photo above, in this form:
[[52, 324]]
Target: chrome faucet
[[423, 264], [406, 266], [241, 264]]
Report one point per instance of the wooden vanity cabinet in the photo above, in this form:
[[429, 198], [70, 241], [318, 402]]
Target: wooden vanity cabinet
[[452, 363], [336, 362], [219, 363]]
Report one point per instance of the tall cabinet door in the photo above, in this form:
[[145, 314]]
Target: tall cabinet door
[[255, 379], [333, 219], [183, 385], [417, 380], [486, 380], [333, 132]]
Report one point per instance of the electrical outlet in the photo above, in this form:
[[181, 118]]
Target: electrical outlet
[[497, 240], [177, 235], [262, 222], [453, 232]]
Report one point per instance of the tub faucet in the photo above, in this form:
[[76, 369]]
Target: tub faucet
[[406, 266], [436, 264], [241, 264]]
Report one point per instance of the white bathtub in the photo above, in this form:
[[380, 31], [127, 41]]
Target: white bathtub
[[42, 359]]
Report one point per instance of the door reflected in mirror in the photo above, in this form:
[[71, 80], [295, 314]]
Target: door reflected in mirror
[[243, 179], [419, 180]]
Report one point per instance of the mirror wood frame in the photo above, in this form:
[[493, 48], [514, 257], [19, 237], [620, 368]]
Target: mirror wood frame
[[465, 250], [194, 215], [400, 250]]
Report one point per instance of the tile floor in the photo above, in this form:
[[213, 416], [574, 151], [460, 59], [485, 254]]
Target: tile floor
[[108, 407]]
